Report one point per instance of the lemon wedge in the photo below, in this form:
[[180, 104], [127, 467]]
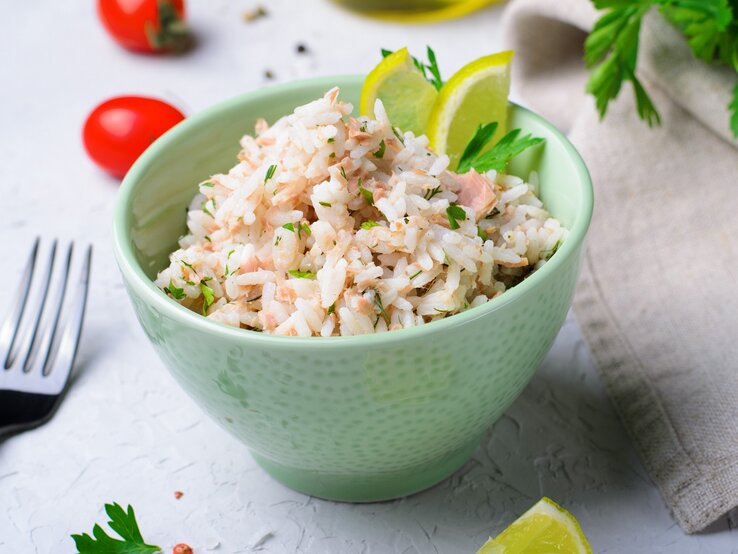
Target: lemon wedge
[[544, 529], [407, 96], [475, 94]]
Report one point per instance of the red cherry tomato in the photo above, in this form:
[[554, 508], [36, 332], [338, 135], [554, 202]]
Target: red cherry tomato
[[145, 25], [118, 131]]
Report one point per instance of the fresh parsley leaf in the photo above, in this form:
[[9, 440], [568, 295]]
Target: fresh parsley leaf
[[398, 135], [414, 275], [481, 234], [382, 311], [125, 526], [331, 140], [455, 214], [305, 228], [367, 194], [208, 184], [289, 227], [301, 274], [208, 295], [703, 23], [478, 142], [186, 264], [368, 224], [270, 172], [177, 293], [326, 204], [432, 66], [380, 151], [343, 173], [331, 308], [507, 148], [277, 240]]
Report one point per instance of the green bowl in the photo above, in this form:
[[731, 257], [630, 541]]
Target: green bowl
[[360, 418]]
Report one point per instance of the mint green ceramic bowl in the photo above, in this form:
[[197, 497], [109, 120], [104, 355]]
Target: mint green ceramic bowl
[[349, 418]]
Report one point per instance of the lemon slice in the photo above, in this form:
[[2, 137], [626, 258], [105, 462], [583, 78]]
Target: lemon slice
[[475, 94], [544, 529], [407, 97]]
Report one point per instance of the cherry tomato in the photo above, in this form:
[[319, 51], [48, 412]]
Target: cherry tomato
[[118, 131], [145, 25]]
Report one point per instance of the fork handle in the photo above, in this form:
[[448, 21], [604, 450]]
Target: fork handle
[[19, 409]]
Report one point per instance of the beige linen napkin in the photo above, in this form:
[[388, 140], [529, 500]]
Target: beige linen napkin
[[658, 298]]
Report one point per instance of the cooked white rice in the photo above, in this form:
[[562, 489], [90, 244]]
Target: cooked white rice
[[349, 233]]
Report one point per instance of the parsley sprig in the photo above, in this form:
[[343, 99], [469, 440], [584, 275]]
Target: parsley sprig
[[509, 146], [430, 71], [611, 50], [124, 523]]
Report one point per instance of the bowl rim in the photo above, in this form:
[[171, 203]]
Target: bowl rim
[[136, 278]]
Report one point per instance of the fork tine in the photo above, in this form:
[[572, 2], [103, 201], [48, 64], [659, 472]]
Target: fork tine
[[23, 352], [62, 362], [11, 324], [39, 355]]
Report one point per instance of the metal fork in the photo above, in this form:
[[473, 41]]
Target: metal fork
[[37, 352]]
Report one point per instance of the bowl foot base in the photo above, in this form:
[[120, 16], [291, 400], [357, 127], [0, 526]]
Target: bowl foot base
[[368, 487]]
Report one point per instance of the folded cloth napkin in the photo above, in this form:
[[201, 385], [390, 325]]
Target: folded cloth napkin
[[658, 298]]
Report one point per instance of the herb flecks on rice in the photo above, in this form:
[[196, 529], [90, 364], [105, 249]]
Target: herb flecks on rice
[[332, 225]]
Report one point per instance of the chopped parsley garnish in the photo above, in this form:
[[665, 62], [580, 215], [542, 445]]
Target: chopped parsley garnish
[[277, 240], [455, 214], [362, 127], [496, 157], [481, 234], [332, 155], [382, 311], [208, 295], [304, 228], [187, 265], [177, 293], [414, 275], [367, 194], [495, 211], [380, 151], [368, 224], [331, 308], [301, 274], [289, 227], [406, 220], [398, 135], [431, 193], [207, 238], [326, 204], [208, 184], [228, 257], [124, 523], [270, 172], [204, 209], [440, 311], [343, 172], [331, 140]]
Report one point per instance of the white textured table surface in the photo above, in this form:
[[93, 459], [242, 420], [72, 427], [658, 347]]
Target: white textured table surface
[[127, 433]]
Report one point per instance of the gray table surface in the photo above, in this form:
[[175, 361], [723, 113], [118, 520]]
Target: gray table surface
[[127, 433]]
